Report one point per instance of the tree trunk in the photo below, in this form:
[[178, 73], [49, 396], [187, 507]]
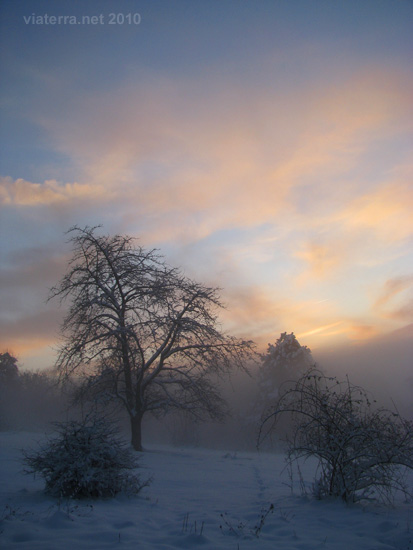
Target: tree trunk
[[136, 431]]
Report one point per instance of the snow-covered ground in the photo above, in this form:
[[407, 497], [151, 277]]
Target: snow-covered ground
[[198, 498]]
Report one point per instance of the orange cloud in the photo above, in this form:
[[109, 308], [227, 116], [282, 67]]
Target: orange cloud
[[29, 335], [20, 346], [261, 314], [386, 212], [359, 331], [24, 193], [369, 230], [322, 259], [346, 329], [321, 329]]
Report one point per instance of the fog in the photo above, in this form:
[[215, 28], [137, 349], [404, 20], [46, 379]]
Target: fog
[[32, 403], [383, 367]]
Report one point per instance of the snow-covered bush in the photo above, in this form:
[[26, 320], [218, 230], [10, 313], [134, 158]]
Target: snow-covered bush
[[85, 459], [362, 450]]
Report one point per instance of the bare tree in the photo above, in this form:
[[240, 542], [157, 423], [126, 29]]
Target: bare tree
[[145, 334], [361, 450]]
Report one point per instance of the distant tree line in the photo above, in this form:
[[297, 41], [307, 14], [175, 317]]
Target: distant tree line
[[28, 400]]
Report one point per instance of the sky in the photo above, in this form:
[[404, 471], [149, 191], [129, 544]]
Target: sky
[[263, 146]]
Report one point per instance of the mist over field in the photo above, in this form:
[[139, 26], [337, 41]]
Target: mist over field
[[209, 485], [383, 366]]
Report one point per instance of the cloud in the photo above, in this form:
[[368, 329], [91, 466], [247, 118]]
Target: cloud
[[30, 334], [263, 314], [20, 192], [189, 158], [392, 288], [360, 331], [277, 190], [395, 300], [319, 330], [322, 259], [369, 230], [385, 212], [29, 327]]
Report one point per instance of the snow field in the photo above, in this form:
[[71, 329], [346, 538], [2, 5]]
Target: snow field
[[198, 499]]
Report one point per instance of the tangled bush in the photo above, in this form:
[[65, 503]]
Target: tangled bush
[[85, 459], [362, 450]]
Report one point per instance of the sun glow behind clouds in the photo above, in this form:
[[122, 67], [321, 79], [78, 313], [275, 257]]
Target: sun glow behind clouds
[[285, 180]]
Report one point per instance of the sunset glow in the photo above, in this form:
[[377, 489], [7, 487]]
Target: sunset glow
[[264, 147]]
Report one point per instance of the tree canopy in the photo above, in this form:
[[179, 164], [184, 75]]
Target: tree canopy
[[144, 333], [284, 361], [9, 371]]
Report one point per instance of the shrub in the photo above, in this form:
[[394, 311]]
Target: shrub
[[85, 459], [362, 451]]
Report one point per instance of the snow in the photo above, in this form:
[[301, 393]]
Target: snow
[[193, 493]]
